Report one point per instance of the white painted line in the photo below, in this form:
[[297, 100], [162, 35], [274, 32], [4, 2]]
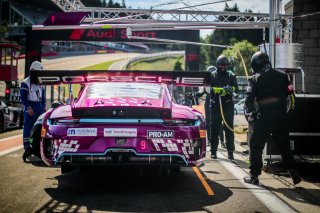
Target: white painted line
[[12, 137], [272, 202], [11, 150]]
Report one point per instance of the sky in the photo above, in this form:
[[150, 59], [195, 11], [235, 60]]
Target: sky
[[257, 6]]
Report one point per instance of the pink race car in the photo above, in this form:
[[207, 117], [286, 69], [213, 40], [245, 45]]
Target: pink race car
[[123, 117]]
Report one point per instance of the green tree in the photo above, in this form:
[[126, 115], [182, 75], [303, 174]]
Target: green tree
[[116, 5], [123, 4], [92, 3], [177, 66], [246, 49], [110, 4], [104, 3], [228, 37]]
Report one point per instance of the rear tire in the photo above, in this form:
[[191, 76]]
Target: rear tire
[[2, 123], [35, 134], [66, 169]]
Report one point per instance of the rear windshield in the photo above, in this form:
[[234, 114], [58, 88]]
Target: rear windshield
[[124, 90]]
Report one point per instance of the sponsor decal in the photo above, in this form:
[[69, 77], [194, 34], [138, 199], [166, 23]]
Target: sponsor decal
[[160, 134], [112, 34], [120, 132], [82, 132], [76, 34]]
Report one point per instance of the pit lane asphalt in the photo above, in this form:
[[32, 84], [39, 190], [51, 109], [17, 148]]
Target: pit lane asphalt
[[33, 187]]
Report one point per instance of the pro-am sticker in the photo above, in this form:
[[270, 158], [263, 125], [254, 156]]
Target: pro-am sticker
[[160, 134]]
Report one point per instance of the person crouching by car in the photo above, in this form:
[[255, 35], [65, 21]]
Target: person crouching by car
[[33, 100]]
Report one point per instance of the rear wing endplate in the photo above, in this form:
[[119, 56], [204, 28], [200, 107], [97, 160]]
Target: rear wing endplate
[[177, 78]]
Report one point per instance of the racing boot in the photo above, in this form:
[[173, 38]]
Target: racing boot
[[252, 179], [213, 155], [230, 155], [295, 176], [223, 145], [27, 153]]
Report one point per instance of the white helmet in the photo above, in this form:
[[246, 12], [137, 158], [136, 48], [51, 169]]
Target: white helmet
[[36, 65]]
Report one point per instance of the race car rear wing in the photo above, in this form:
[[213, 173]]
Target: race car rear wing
[[177, 78]]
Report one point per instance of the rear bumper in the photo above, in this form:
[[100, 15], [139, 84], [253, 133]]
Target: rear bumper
[[121, 157]]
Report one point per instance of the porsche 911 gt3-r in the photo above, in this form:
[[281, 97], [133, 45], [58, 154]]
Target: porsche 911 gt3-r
[[130, 120]]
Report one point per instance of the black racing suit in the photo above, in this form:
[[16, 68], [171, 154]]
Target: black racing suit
[[270, 91], [207, 110], [222, 79]]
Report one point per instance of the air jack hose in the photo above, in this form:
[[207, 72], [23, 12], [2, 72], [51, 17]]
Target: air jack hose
[[224, 120]]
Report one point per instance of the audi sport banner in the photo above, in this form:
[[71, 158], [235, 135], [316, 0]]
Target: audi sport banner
[[178, 78]]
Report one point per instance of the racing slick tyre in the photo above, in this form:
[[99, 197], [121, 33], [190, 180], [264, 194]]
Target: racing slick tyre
[[174, 170], [2, 123], [35, 137], [66, 169]]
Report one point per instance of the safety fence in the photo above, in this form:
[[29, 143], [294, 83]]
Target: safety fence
[[143, 57]]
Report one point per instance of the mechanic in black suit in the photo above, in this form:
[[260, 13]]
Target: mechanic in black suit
[[269, 88], [223, 85]]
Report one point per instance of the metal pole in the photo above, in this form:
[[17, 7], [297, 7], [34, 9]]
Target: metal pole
[[59, 87], [52, 93], [1, 15], [272, 18]]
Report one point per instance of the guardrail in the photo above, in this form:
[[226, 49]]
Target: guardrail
[[150, 56]]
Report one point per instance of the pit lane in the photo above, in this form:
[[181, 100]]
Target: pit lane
[[33, 187]]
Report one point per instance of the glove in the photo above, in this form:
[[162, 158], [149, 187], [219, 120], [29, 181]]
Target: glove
[[229, 90], [219, 91]]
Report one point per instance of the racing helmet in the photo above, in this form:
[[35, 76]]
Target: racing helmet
[[222, 63], [260, 62], [36, 65], [211, 69]]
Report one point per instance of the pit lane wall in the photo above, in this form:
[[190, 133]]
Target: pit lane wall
[[306, 31]]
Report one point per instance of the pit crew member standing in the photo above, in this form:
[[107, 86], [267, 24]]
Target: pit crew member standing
[[223, 84], [207, 106], [269, 88], [33, 100]]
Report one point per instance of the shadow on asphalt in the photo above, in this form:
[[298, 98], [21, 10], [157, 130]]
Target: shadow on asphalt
[[308, 170], [124, 189], [297, 196]]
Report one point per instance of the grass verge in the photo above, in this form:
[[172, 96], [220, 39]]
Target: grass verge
[[160, 63]]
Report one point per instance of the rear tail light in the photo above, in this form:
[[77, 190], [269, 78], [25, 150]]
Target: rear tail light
[[178, 122], [43, 132], [65, 121]]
